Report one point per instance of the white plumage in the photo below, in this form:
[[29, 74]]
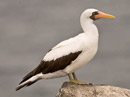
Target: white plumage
[[87, 42], [72, 53]]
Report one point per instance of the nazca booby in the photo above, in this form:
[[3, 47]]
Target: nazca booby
[[69, 55]]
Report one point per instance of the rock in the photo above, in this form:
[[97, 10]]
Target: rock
[[69, 89]]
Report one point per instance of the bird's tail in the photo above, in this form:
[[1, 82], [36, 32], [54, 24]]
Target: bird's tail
[[30, 81]]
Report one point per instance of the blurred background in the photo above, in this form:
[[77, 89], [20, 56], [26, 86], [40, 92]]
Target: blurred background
[[29, 28]]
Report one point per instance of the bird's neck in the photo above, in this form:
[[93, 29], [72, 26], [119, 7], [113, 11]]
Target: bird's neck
[[89, 27]]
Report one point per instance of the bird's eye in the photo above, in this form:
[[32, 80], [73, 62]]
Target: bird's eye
[[95, 13]]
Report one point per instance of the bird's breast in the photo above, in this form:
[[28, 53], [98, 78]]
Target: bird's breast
[[89, 46], [82, 59]]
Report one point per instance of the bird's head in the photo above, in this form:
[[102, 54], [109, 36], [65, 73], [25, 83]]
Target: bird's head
[[94, 14], [90, 15]]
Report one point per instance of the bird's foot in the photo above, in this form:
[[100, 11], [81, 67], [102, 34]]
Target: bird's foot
[[78, 82]]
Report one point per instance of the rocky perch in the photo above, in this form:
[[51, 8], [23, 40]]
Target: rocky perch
[[74, 90]]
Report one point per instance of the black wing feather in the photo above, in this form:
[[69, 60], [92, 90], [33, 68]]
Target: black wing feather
[[52, 66]]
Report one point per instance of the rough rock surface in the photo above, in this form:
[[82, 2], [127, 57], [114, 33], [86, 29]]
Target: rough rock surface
[[74, 90]]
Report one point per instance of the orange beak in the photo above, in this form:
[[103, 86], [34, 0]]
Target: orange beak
[[103, 15]]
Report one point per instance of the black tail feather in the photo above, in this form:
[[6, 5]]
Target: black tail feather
[[26, 84], [21, 86]]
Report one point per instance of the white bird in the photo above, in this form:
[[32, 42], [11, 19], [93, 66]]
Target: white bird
[[69, 55]]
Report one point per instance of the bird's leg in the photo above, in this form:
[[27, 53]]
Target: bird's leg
[[70, 78], [76, 80], [74, 76], [79, 82]]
